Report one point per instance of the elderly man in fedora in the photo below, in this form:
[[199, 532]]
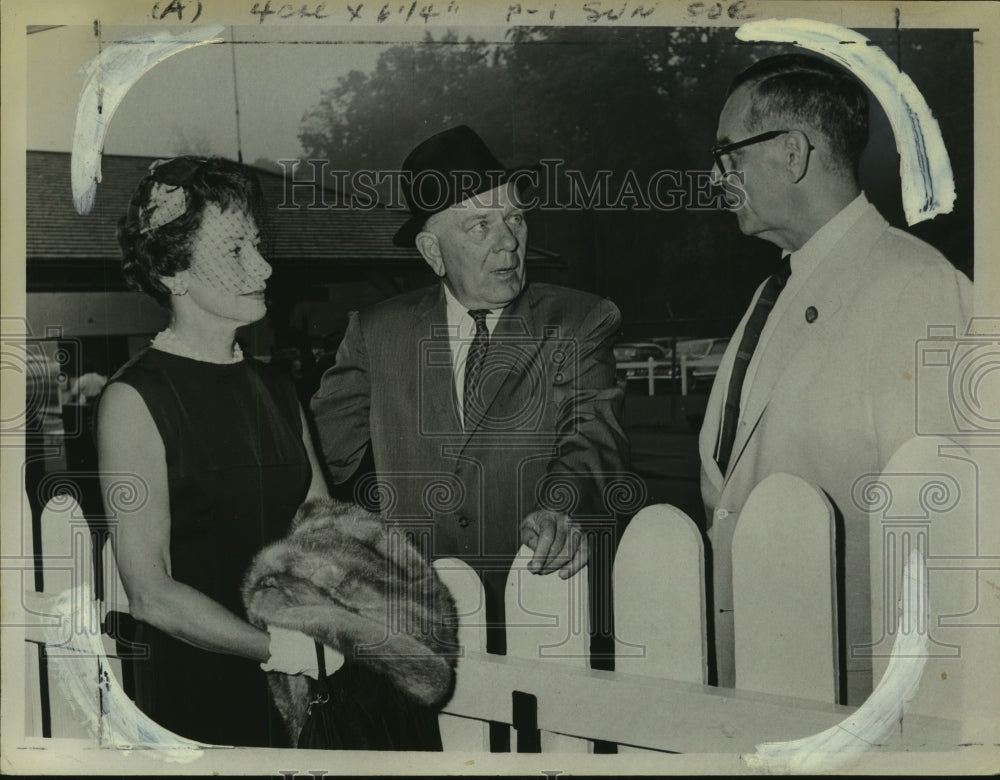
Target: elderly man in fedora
[[488, 403]]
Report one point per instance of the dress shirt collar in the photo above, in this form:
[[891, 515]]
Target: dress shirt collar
[[804, 263], [811, 253], [461, 331], [460, 322]]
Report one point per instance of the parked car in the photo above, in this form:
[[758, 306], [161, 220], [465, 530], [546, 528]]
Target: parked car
[[641, 352], [630, 351], [702, 356]]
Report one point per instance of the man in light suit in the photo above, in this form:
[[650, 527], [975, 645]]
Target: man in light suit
[[829, 389], [489, 403]]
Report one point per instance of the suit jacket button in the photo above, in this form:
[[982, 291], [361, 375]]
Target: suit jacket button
[[463, 521], [721, 514], [811, 314]]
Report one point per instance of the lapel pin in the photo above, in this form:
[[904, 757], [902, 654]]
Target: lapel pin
[[811, 314]]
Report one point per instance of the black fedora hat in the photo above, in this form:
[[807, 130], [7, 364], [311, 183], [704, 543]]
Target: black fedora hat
[[446, 169]]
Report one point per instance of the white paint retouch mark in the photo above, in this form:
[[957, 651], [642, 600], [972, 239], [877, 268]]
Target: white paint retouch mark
[[924, 166], [872, 723], [75, 652], [110, 75]]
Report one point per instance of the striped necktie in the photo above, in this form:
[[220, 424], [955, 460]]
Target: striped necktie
[[473, 406], [751, 335]]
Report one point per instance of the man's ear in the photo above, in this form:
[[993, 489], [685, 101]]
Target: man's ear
[[430, 249], [797, 148]]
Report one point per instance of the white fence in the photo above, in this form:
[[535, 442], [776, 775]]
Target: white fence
[[650, 376], [686, 367], [780, 717]]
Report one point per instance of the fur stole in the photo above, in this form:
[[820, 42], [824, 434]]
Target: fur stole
[[342, 577]]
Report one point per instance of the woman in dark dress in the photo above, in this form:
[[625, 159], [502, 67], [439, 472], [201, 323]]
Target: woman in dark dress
[[204, 458]]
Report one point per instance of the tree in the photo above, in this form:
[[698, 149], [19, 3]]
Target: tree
[[371, 120], [625, 101], [602, 100]]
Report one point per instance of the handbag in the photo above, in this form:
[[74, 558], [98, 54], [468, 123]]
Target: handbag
[[319, 732], [362, 710]]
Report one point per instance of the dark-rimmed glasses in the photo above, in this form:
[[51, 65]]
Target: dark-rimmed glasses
[[720, 150]]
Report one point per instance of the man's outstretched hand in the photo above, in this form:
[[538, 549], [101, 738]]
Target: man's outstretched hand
[[558, 543]]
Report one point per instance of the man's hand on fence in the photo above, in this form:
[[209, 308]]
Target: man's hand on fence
[[558, 544]]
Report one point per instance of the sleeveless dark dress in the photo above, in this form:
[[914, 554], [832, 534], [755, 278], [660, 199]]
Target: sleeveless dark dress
[[237, 472]]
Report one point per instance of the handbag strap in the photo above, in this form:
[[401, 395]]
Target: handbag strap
[[322, 687]]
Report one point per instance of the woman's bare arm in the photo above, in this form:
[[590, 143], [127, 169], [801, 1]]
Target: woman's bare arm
[[129, 444]]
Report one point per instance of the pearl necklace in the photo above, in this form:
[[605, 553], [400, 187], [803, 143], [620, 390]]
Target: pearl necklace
[[168, 341]]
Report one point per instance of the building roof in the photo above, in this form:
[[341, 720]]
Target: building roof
[[337, 237]]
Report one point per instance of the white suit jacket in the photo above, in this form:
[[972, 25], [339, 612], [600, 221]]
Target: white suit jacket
[[831, 401]]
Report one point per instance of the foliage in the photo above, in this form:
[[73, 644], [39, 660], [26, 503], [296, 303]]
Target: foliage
[[596, 97], [627, 100], [371, 120]]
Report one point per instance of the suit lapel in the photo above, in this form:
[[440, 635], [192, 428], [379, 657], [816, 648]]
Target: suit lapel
[[514, 348], [708, 437], [794, 338], [791, 337], [437, 380]]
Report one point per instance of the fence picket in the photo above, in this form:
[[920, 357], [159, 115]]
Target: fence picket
[[934, 497], [457, 733], [784, 591], [659, 587], [547, 620], [65, 543], [66, 562]]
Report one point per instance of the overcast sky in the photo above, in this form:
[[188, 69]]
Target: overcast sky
[[187, 104]]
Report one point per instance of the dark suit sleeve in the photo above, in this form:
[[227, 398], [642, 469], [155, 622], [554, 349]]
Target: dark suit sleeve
[[342, 403], [593, 450]]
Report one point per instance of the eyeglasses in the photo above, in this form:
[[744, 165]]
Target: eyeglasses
[[721, 150]]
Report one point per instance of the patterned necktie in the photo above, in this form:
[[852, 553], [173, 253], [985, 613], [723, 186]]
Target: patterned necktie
[[472, 403], [751, 335]]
